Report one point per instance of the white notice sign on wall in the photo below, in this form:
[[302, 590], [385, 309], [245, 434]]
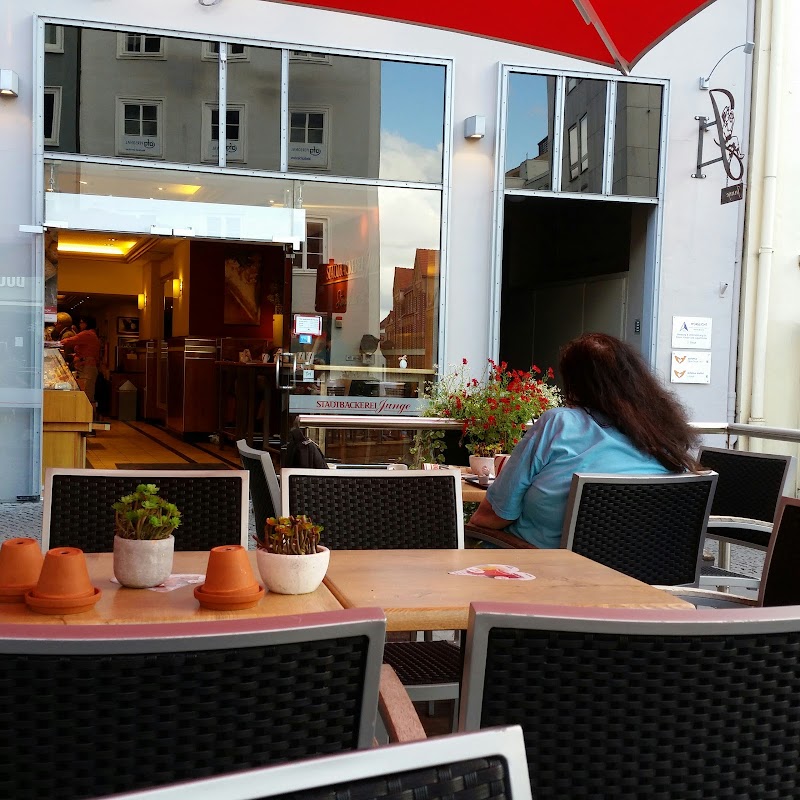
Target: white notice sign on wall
[[691, 332], [690, 367]]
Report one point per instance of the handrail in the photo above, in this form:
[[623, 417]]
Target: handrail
[[442, 423]]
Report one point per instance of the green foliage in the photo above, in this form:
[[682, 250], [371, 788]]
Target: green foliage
[[290, 536], [494, 411], [145, 515]]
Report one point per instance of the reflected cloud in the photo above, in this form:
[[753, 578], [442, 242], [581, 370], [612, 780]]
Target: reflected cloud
[[405, 160]]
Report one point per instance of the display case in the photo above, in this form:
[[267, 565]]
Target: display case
[[66, 415], [56, 374]]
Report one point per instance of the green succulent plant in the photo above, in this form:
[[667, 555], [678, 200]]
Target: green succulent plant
[[290, 536], [145, 515]]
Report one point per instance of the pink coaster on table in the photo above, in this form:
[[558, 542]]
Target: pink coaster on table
[[502, 572]]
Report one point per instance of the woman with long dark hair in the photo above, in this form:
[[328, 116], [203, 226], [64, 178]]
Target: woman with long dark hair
[[618, 419]]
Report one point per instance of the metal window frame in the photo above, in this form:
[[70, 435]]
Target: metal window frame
[[652, 265], [443, 187]]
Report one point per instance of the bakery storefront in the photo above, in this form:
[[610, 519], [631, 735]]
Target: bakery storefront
[[273, 209], [227, 299]]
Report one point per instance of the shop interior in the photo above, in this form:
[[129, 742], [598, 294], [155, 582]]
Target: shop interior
[[191, 331]]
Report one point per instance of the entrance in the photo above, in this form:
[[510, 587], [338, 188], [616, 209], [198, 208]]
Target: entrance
[[570, 267], [167, 310]]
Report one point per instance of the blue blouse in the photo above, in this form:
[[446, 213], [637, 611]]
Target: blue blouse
[[533, 486]]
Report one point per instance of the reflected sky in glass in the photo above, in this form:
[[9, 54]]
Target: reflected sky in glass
[[412, 121], [527, 117]]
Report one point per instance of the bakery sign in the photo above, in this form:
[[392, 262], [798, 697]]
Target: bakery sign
[[333, 281], [377, 406]]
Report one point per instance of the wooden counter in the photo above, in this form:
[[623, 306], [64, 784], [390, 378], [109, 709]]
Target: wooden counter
[[66, 419]]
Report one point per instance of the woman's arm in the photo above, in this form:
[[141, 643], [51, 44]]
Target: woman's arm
[[485, 517]]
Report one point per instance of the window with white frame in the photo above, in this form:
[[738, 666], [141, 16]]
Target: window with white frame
[[309, 57], [53, 38], [235, 130], [583, 136], [574, 154], [52, 115], [140, 45], [235, 52], [308, 137], [312, 252], [140, 127]]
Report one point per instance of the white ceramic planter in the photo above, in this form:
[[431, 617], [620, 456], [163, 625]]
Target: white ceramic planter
[[142, 563], [482, 465], [293, 574]]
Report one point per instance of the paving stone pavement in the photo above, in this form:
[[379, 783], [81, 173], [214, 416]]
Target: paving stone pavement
[[25, 519]]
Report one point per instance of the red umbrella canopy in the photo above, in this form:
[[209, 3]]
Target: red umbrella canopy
[[613, 32]]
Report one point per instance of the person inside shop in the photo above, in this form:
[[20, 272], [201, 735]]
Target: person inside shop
[[617, 418], [62, 329], [86, 346]]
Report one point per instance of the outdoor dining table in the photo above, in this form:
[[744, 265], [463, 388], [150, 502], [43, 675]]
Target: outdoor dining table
[[119, 605], [416, 590]]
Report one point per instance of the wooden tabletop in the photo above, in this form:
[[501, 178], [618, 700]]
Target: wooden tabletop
[[120, 605], [416, 591], [471, 493]]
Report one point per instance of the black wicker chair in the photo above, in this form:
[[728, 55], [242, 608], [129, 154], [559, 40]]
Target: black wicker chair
[[264, 489], [748, 490], [779, 584], [487, 764], [650, 527], [78, 512], [91, 710], [630, 704], [383, 509]]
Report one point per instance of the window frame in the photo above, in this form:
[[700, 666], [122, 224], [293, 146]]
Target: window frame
[[583, 142], [309, 57], [55, 127], [209, 54], [121, 102], [124, 53], [326, 125], [58, 45], [207, 155], [573, 151], [323, 222]]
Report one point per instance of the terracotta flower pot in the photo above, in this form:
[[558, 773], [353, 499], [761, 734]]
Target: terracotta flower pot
[[143, 563], [20, 566], [64, 586], [293, 574], [229, 571], [230, 583]]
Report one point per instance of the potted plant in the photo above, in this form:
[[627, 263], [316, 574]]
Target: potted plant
[[143, 541], [290, 558], [494, 411]]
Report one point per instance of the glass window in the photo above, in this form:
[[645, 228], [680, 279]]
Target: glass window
[[132, 95], [236, 52], [637, 138], [379, 280], [529, 131], [52, 115], [235, 128], [254, 85], [139, 45], [312, 252], [364, 117], [585, 123], [53, 38]]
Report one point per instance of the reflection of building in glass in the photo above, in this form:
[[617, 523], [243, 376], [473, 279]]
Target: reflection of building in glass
[[409, 328], [636, 138]]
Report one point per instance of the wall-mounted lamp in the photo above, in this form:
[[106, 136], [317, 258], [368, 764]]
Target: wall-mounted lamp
[[475, 127], [9, 83], [142, 302], [748, 50], [177, 287]]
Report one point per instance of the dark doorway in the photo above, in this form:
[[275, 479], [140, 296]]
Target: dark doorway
[[570, 266]]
